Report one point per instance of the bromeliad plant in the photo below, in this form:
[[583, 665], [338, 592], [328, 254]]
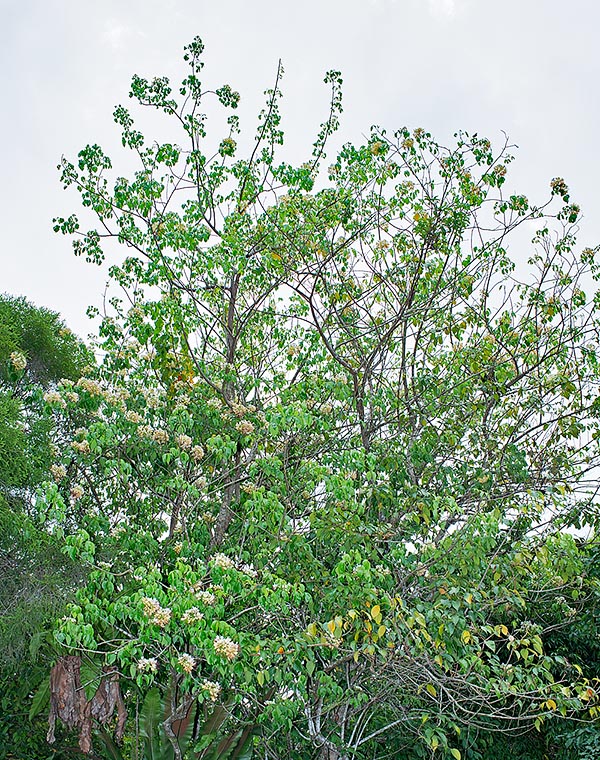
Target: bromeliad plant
[[326, 474]]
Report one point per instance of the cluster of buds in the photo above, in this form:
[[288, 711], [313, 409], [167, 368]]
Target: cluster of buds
[[245, 427], [186, 662], [54, 397], [160, 616], [58, 472], [226, 647], [183, 441], [18, 360], [147, 665], [222, 561], [213, 689], [91, 386], [193, 615], [197, 453]]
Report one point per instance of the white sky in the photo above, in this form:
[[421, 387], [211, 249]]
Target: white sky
[[528, 67]]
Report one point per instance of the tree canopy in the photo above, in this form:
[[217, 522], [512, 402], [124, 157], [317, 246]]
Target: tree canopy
[[334, 483]]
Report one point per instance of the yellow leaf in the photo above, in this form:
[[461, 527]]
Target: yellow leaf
[[375, 610], [465, 636], [455, 753], [382, 629], [469, 598], [431, 689], [551, 704], [312, 629], [260, 677], [331, 626]]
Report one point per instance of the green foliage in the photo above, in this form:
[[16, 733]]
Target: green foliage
[[325, 482]]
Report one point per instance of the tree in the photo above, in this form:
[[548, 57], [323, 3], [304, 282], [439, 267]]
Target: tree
[[36, 351], [334, 456]]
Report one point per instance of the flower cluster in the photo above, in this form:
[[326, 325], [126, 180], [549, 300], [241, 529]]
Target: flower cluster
[[160, 436], [18, 360], [245, 427], [186, 662], [83, 447], [77, 492], [183, 441], [197, 453], [147, 665], [72, 396], [160, 616], [223, 561], [91, 386], [58, 472], [213, 689], [206, 597], [193, 615], [54, 397], [226, 647], [134, 417]]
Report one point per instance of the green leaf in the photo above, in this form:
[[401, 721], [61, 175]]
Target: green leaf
[[41, 699]]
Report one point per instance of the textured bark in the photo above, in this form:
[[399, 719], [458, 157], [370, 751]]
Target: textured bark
[[107, 699], [68, 701]]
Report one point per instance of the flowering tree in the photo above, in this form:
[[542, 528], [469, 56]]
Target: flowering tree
[[326, 477]]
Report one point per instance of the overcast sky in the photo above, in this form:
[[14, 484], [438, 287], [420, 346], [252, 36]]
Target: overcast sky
[[530, 68]]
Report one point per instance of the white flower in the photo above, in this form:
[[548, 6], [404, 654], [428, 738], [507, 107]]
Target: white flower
[[145, 431], [238, 409], [134, 417], [77, 492], [72, 396], [58, 472], [223, 561], [215, 403], [186, 662], [183, 441], [213, 689], [91, 386], [18, 360], [147, 665], [193, 615], [197, 453], [160, 436], [158, 615], [245, 427], [226, 647], [205, 597], [54, 397], [83, 447]]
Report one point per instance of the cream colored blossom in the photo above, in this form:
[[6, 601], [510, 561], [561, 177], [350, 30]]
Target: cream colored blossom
[[147, 665], [226, 647], [223, 561], [197, 453], [18, 360], [245, 427], [186, 662], [205, 597], [160, 436], [183, 441], [134, 417], [238, 409], [54, 397], [156, 614], [83, 447], [213, 689], [91, 386], [72, 396], [77, 492], [193, 615], [215, 403], [58, 472], [145, 431]]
